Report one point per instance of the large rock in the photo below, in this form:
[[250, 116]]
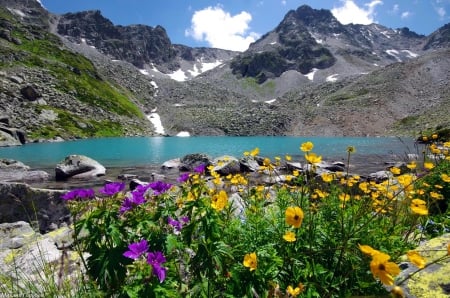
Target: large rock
[[434, 280], [78, 166], [190, 161], [20, 202], [13, 170], [34, 261]]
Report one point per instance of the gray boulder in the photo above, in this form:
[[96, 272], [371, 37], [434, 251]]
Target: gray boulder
[[13, 170], [225, 165], [20, 202], [78, 166], [190, 161]]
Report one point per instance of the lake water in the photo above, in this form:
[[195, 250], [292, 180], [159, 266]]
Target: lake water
[[142, 151]]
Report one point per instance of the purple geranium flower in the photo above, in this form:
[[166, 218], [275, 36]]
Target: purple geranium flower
[[183, 177], [159, 187], [177, 225], [155, 259], [111, 189], [78, 194], [200, 169], [136, 249], [137, 198]]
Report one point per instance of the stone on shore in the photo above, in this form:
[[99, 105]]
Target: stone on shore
[[78, 166]]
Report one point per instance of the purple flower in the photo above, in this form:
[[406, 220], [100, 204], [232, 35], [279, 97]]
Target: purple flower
[[159, 187], [78, 194], [175, 224], [200, 169], [127, 205], [111, 189], [137, 198], [155, 259], [183, 177], [136, 249]]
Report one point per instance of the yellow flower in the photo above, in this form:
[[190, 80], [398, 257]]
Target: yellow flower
[[306, 147], [424, 138], [448, 249], [447, 144], [367, 250], [295, 173], [219, 201], [344, 197], [419, 207], [351, 149], [313, 158], [428, 165], [412, 165], [254, 152], [415, 258], [289, 236], [295, 292], [294, 216], [445, 177], [434, 136], [327, 177], [395, 171], [436, 195], [288, 157], [397, 292], [384, 270], [250, 261]]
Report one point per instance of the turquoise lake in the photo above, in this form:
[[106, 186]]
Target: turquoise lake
[[141, 151]]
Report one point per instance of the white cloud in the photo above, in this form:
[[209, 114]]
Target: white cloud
[[405, 14], [349, 12], [283, 2], [222, 30], [441, 12]]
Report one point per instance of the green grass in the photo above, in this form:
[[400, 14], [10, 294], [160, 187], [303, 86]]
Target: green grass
[[249, 83]]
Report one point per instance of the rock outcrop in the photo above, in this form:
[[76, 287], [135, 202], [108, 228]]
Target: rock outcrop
[[20, 202]]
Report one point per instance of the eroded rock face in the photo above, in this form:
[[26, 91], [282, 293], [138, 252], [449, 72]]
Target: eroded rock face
[[78, 166], [20, 202]]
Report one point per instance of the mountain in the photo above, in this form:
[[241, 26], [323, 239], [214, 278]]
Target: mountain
[[78, 75]]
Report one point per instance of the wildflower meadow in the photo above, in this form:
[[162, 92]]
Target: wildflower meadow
[[314, 235]]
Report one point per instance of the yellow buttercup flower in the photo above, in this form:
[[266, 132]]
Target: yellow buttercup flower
[[445, 177], [313, 158], [412, 165], [383, 269], [294, 216], [415, 258], [344, 197], [428, 165], [250, 261], [289, 236], [307, 146], [351, 149], [419, 207], [295, 292], [254, 152], [327, 177], [436, 196], [395, 171], [367, 250], [448, 249], [219, 201]]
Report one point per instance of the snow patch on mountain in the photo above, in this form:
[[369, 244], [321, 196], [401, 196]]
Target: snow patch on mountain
[[332, 78], [394, 53], [310, 75], [155, 119]]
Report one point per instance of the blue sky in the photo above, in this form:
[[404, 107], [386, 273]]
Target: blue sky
[[233, 24]]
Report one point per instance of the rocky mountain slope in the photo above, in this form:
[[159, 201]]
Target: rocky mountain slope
[[79, 75]]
